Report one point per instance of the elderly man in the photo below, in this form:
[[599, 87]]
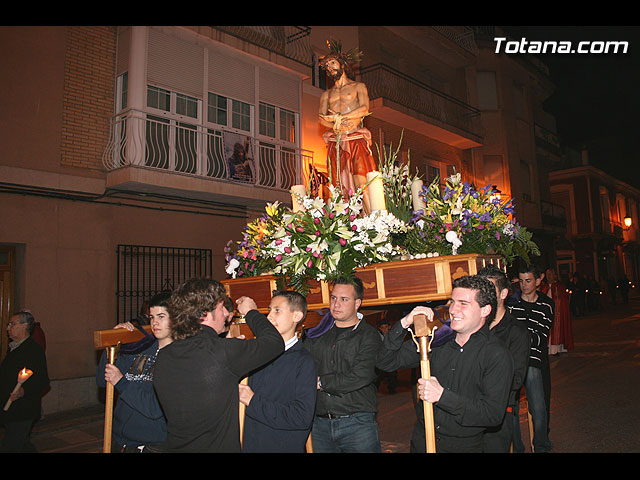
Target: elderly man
[[470, 373], [25, 407]]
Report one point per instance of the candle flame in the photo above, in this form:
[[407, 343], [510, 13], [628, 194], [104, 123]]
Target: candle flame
[[24, 374]]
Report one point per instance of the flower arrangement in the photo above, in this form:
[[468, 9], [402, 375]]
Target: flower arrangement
[[321, 241], [461, 219], [397, 181], [247, 259]]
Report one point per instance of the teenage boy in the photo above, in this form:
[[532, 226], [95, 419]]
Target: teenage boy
[[138, 419], [281, 396]]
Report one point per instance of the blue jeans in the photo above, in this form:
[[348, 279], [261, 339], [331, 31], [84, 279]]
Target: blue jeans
[[357, 433], [534, 387]]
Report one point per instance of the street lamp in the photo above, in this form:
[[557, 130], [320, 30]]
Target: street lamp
[[627, 222]]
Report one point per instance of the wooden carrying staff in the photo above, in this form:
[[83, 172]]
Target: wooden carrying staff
[[422, 332], [110, 340]]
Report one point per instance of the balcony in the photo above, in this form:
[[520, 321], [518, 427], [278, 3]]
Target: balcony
[[148, 154], [291, 42], [403, 100], [553, 216]]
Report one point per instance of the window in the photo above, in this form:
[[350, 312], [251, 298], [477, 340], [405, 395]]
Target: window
[[431, 174], [122, 87], [187, 106], [172, 140], [158, 98], [217, 109], [267, 124], [272, 117], [241, 115], [287, 126], [144, 271]]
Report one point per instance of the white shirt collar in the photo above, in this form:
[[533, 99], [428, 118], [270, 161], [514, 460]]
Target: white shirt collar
[[291, 342]]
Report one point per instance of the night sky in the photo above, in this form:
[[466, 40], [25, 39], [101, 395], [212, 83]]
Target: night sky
[[596, 102]]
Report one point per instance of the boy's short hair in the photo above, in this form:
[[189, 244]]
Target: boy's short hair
[[533, 269], [297, 302], [160, 299], [492, 272], [355, 282]]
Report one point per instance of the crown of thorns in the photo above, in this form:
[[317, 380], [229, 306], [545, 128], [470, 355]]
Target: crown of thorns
[[335, 52]]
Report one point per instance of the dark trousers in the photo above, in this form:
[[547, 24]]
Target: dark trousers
[[17, 437]]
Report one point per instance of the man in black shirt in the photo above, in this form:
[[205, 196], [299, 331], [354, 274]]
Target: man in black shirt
[[345, 358], [515, 336], [471, 372]]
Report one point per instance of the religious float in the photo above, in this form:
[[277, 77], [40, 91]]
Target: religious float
[[406, 241], [409, 249]]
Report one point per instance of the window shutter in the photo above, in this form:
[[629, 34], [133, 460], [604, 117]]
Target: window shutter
[[124, 44], [279, 90], [231, 77], [175, 64]]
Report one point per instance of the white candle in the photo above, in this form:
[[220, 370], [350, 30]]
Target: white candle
[[297, 190], [376, 191], [23, 376], [416, 188]]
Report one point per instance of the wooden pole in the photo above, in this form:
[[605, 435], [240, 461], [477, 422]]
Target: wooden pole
[[108, 408], [423, 332], [109, 340], [242, 411]]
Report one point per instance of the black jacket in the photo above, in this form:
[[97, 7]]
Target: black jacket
[[515, 337], [345, 361], [30, 355], [196, 380]]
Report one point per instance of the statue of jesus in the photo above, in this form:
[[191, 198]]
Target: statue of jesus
[[342, 109]]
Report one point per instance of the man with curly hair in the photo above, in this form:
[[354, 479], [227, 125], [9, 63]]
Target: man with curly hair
[[196, 377]]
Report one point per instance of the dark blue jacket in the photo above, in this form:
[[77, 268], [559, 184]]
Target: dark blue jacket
[[137, 417], [281, 411]]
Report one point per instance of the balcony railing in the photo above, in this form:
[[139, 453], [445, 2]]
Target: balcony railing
[[384, 82], [143, 140], [289, 41]]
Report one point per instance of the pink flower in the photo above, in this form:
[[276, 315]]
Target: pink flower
[[278, 242], [287, 249], [317, 233], [354, 227], [310, 263], [278, 257], [300, 229], [342, 241], [316, 220]]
